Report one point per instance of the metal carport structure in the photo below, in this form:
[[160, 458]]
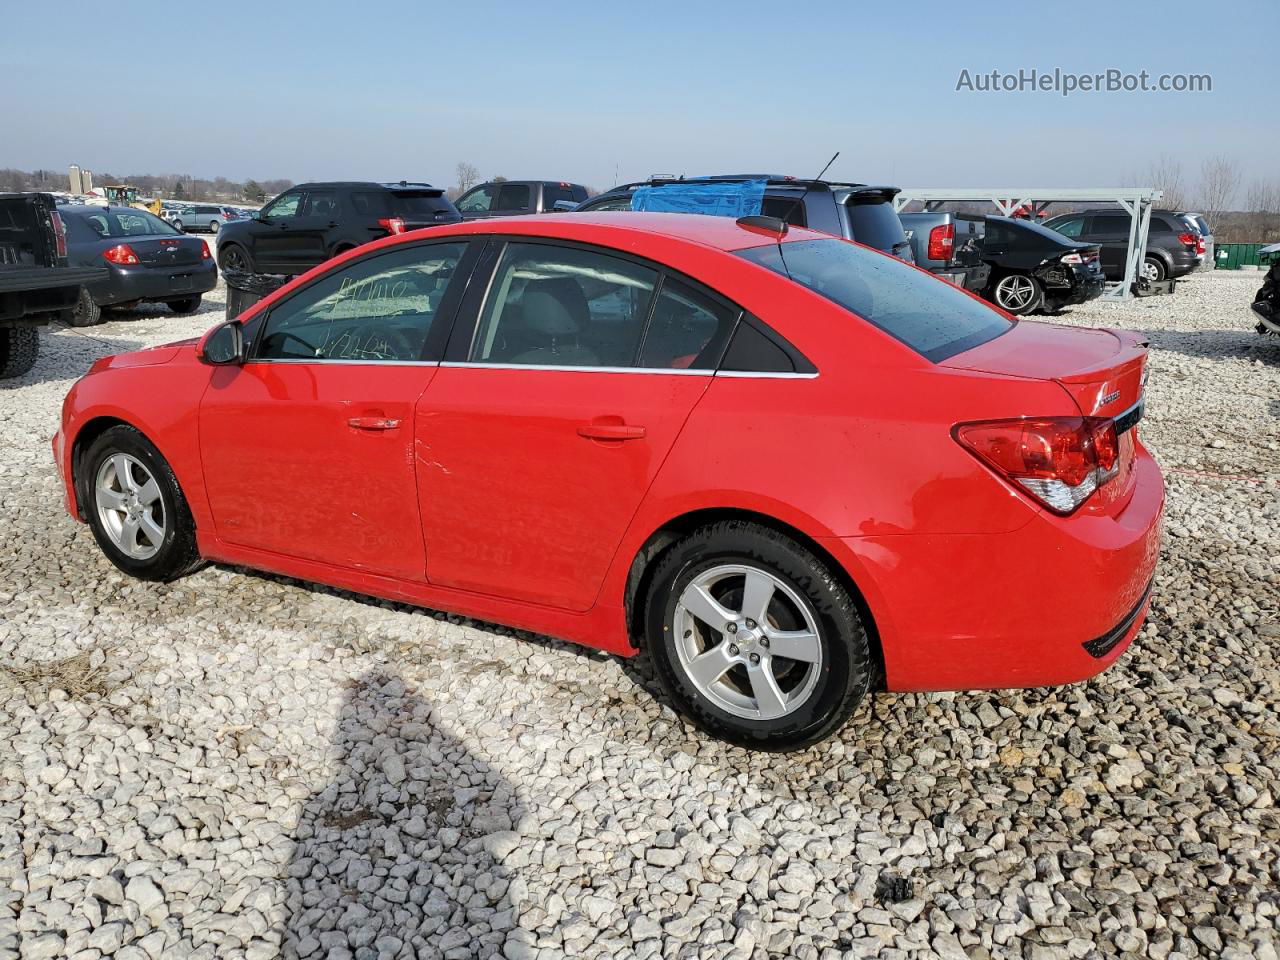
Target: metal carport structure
[[1135, 201]]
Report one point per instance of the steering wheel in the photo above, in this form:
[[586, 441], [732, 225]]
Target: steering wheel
[[401, 347]]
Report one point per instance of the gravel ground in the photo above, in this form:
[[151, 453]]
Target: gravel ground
[[245, 766]]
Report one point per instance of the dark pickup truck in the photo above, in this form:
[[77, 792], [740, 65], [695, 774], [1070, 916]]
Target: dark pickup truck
[[948, 245], [36, 285]]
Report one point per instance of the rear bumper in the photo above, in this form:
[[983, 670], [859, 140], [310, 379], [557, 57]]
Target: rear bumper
[[126, 284], [1054, 602]]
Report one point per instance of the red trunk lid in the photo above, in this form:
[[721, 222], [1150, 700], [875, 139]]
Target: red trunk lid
[[1104, 371]]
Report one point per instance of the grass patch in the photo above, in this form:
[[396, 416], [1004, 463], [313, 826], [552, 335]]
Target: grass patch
[[77, 675]]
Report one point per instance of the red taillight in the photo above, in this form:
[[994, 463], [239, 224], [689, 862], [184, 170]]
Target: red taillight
[[59, 235], [122, 256], [392, 225], [1200, 246], [204, 251], [1190, 239], [942, 240], [1058, 460]]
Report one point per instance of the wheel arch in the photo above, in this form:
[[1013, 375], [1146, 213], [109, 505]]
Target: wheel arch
[[84, 437], [645, 562]]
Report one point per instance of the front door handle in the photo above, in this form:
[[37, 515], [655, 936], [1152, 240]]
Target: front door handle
[[373, 423], [611, 431]]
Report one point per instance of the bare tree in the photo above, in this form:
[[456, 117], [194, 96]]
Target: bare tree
[[1219, 181], [468, 176], [1166, 174], [1263, 197]]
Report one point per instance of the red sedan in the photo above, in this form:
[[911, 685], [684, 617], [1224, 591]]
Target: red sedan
[[789, 467]]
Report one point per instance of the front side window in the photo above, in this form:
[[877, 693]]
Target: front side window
[[513, 196], [563, 306], [479, 200], [379, 309], [286, 206], [929, 315]]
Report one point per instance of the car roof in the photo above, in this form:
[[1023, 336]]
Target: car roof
[[614, 227], [361, 184]]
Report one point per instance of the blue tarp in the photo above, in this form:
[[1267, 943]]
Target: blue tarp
[[740, 199]]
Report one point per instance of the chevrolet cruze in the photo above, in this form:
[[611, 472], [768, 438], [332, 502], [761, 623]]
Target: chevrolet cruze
[[790, 468]]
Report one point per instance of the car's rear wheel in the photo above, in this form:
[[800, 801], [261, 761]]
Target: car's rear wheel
[[234, 257], [1017, 293], [19, 348], [185, 305], [85, 313], [135, 507], [754, 637], [177, 224], [1153, 269], [213, 226]]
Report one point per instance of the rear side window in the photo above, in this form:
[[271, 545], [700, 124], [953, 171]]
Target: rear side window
[[370, 203], [688, 329], [754, 351], [552, 192], [563, 307], [119, 223], [321, 203], [513, 196], [420, 204], [927, 314], [1112, 223], [788, 209], [876, 224]]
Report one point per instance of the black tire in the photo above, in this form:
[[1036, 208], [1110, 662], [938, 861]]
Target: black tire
[[1155, 267], [177, 225], [177, 554], [85, 313], [232, 256], [1003, 293], [19, 348], [845, 672], [213, 226], [185, 305]]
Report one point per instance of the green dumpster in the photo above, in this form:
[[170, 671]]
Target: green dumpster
[[1233, 256]]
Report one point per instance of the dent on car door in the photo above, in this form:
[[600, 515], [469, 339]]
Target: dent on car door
[[551, 415], [308, 447]]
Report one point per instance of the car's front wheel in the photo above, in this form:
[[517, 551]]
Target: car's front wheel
[[135, 507], [234, 257], [755, 639], [1017, 293]]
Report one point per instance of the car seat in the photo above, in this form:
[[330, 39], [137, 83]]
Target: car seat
[[553, 313]]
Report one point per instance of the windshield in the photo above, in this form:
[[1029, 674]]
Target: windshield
[[929, 315]]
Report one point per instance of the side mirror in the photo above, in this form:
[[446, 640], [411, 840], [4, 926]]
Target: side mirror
[[222, 345], [564, 206]]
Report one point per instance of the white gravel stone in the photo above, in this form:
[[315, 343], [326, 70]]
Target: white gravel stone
[[243, 766]]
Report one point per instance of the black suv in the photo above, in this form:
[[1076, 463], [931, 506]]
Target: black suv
[[854, 211], [512, 198], [1174, 247], [309, 223]]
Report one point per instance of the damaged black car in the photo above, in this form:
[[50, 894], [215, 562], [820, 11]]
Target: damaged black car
[[1034, 268]]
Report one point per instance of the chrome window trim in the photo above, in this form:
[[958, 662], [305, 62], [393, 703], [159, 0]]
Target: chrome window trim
[[345, 362], [650, 371]]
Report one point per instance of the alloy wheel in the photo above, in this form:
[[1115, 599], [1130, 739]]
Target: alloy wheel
[[748, 641], [130, 506], [1015, 292]]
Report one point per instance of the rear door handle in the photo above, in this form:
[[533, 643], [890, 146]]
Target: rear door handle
[[373, 423], [611, 431]]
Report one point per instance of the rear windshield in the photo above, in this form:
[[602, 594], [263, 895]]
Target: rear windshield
[[876, 224], [929, 315], [118, 223], [420, 204]]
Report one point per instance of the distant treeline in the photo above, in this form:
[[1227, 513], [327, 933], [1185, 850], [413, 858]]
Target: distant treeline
[[176, 186]]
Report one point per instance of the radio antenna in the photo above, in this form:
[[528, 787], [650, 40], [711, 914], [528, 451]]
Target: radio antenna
[[796, 206]]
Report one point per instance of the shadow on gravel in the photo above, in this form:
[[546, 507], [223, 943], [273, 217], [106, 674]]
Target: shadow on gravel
[[68, 357], [391, 858], [1217, 344]]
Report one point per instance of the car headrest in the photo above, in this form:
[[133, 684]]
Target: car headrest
[[546, 314]]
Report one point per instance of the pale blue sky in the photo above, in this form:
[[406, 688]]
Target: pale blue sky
[[581, 90]]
